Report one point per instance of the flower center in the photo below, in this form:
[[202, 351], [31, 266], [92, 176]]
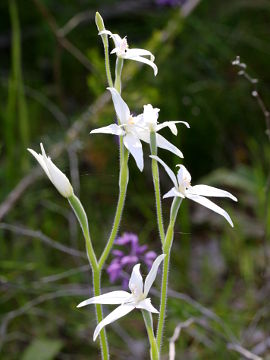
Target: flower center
[[185, 184], [123, 46], [131, 120]]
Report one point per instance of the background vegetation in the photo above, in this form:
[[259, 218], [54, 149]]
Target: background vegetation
[[52, 90]]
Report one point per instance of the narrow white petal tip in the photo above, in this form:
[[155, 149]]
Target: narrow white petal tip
[[81, 304]]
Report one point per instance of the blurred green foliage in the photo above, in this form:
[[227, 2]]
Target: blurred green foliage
[[44, 89]]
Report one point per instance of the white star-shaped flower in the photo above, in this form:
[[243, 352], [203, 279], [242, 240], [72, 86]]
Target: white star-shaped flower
[[137, 299], [122, 50], [59, 179], [198, 193], [137, 128]]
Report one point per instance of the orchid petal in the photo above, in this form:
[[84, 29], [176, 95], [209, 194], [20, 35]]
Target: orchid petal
[[173, 193], [130, 53], [136, 281], [165, 144], [150, 117], [205, 190], [59, 179], [117, 41], [41, 161], [183, 176], [143, 60], [171, 125], [116, 314], [105, 32], [110, 129], [210, 205], [112, 297], [146, 305], [134, 146], [150, 278], [167, 169], [120, 106]]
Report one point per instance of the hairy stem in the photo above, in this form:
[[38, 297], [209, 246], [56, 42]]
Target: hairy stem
[[99, 314], [155, 174], [82, 218], [123, 182], [166, 265], [118, 73], [154, 353]]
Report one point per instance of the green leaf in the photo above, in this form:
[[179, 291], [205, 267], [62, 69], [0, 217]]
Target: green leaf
[[42, 349]]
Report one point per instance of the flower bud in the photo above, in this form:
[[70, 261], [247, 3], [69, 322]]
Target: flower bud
[[59, 179]]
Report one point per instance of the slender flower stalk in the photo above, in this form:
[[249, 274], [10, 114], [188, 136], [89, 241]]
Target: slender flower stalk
[[155, 175], [79, 211], [148, 320], [118, 72], [123, 182], [83, 221], [165, 272]]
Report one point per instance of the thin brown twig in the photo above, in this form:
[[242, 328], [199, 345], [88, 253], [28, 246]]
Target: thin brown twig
[[64, 42], [266, 113], [118, 9], [176, 335], [244, 352], [44, 238]]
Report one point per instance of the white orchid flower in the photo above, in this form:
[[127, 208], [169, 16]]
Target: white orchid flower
[[59, 179], [149, 123], [129, 301], [122, 50], [135, 128], [198, 193]]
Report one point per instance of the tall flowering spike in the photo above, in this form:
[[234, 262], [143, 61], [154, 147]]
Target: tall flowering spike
[[122, 50], [135, 129], [198, 193], [129, 301], [59, 179]]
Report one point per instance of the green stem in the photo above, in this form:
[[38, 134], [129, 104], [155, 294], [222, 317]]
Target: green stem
[[117, 85], [123, 182], [100, 26], [16, 108], [118, 73], [82, 218], [99, 314], [155, 174], [166, 264], [154, 353]]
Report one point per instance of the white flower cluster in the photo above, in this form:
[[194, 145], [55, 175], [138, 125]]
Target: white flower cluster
[[135, 129]]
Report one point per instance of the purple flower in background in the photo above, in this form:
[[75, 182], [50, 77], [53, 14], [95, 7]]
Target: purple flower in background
[[170, 2], [130, 254]]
